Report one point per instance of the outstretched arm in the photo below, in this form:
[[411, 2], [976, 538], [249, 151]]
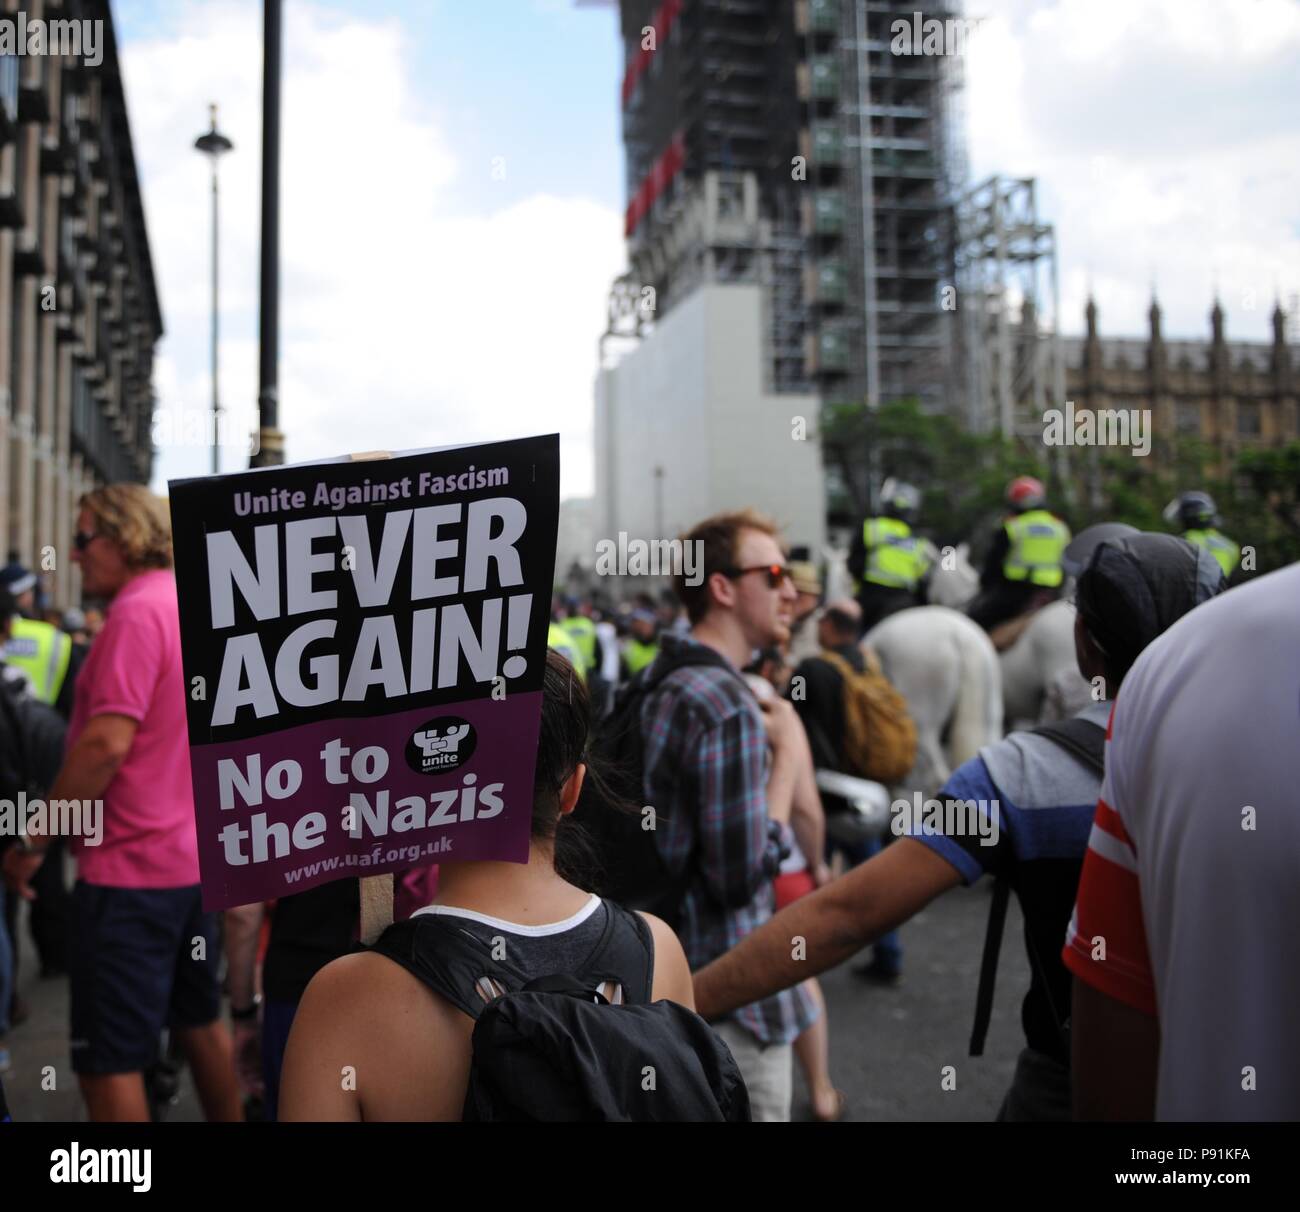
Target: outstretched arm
[[826, 927]]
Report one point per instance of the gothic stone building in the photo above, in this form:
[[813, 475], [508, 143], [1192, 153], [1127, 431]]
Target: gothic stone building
[[1231, 394]]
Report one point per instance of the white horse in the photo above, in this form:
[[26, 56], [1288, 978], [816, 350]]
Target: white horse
[[839, 583], [1043, 660], [953, 581], [1039, 677], [946, 669], [1040, 666]]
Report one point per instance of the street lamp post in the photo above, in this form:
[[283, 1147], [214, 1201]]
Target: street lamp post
[[270, 443], [214, 145], [659, 502]]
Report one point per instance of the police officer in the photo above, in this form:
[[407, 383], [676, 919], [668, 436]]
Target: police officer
[[559, 639], [1196, 515], [41, 651], [642, 644], [581, 630], [1024, 563], [48, 662], [888, 562]]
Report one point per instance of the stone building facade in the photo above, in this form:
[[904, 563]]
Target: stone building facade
[[79, 311], [1231, 394]]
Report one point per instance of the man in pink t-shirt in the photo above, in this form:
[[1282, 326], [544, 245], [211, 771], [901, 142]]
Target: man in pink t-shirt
[[143, 954]]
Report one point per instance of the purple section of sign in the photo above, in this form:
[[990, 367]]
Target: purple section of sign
[[357, 797]]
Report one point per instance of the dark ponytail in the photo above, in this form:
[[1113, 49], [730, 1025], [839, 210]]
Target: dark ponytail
[[562, 744]]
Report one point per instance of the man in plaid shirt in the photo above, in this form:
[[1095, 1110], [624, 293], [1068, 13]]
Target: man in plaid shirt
[[721, 768]]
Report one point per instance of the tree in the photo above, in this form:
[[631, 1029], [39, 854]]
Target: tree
[[1264, 507], [962, 476]]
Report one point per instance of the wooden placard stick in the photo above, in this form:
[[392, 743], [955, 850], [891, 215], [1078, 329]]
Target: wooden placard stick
[[376, 890]]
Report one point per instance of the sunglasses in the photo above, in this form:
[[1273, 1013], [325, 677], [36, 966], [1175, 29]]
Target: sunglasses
[[81, 540], [776, 573]]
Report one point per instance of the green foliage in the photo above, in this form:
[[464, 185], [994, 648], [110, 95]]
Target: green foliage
[[1258, 496], [962, 478], [1264, 508]]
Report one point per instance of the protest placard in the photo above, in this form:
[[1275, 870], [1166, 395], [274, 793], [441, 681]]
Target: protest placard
[[364, 645]]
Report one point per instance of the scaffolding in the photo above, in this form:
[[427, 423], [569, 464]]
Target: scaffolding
[[855, 150], [710, 124], [887, 160], [1009, 303]]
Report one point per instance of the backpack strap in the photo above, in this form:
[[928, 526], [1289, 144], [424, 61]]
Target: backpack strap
[[1080, 738], [870, 660], [439, 953], [838, 663], [567, 986], [1086, 741], [989, 965], [626, 946], [671, 658]]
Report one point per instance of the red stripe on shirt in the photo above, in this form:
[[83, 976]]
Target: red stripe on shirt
[[1108, 820], [1109, 908]]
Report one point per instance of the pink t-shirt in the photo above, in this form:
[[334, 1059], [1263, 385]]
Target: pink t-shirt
[[134, 669]]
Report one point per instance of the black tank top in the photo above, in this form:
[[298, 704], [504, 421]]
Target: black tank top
[[564, 947]]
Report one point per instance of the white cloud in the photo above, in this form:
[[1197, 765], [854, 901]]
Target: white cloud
[[1164, 140], [405, 319]]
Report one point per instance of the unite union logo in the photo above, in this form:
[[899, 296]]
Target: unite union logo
[[441, 745]]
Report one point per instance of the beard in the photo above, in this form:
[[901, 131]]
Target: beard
[[782, 630]]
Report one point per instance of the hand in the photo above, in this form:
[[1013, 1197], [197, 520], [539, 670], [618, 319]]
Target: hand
[[781, 722], [246, 1041], [821, 874], [19, 867]]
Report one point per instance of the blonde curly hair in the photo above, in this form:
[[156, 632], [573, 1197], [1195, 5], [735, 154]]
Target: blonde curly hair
[[130, 516]]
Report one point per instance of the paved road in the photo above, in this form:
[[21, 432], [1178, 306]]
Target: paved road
[[888, 1046]]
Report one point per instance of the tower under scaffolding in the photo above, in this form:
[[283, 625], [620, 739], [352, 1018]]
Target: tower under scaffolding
[[885, 162], [824, 158], [805, 147]]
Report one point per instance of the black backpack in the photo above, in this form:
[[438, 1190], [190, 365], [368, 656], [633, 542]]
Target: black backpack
[[553, 1050], [1085, 741], [31, 743], [632, 870]]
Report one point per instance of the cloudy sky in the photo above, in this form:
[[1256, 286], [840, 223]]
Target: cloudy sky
[[452, 192]]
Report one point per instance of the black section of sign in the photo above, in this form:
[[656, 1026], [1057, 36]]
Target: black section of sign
[[322, 1157], [206, 506], [441, 745]]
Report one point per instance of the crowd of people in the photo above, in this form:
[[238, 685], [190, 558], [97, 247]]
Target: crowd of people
[[1151, 841]]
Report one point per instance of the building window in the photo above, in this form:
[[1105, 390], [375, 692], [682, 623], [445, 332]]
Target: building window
[[1248, 420], [1187, 417]]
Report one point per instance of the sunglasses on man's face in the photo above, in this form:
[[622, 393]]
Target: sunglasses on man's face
[[776, 573], [81, 540]]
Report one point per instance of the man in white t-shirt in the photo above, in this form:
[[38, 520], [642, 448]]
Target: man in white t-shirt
[[1185, 942]]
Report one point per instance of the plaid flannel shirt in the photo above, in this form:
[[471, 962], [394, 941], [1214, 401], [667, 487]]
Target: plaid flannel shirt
[[706, 770]]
